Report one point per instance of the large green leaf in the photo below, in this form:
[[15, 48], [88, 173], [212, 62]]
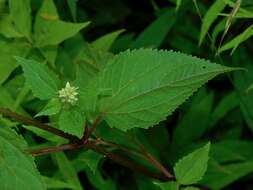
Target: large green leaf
[[147, 85], [18, 171], [191, 168], [42, 81], [49, 30], [20, 12]]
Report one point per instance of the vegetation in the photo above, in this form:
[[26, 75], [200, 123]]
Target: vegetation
[[116, 94]]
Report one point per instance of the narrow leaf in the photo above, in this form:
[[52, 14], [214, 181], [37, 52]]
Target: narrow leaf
[[210, 17]]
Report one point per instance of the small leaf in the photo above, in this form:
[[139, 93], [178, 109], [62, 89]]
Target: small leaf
[[191, 188], [148, 85], [72, 121], [191, 168], [49, 30], [18, 171], [105, 42], [42, 81], [20, 12], [53, 107], [172, 185]]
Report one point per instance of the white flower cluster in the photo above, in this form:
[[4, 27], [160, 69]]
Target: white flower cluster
[[68, 94]]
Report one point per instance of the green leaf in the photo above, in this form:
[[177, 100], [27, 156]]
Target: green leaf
[[105, 42], [49, 30], [42, 81], [6, 27], [219, 176], [210, 17], [20, 12], [52, 183], [227, 103], [9, 49], [72, 6], [91, 159], [236, 41], [178, 4], [191, 168], [199, 112], [156, 32], [72, 121], [148, 85], [67, 170], [191, 188], [18, 171], [172, 185], [232, 151], [53, 107]]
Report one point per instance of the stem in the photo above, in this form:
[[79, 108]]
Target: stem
[[153, 160], [94, 126], [27, 121], [78, 143]]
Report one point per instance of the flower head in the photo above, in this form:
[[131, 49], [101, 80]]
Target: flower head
[[68, 94]]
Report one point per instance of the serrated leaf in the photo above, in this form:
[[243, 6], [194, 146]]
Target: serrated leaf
[[42, 81], [20, 12], [53, 107], [191, 168], [172, 185], [148, 85], [49, 30], [18, 171], [72, 121], [210, 17]]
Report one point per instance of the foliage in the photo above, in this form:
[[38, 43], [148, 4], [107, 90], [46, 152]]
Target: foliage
[[121, 95]]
